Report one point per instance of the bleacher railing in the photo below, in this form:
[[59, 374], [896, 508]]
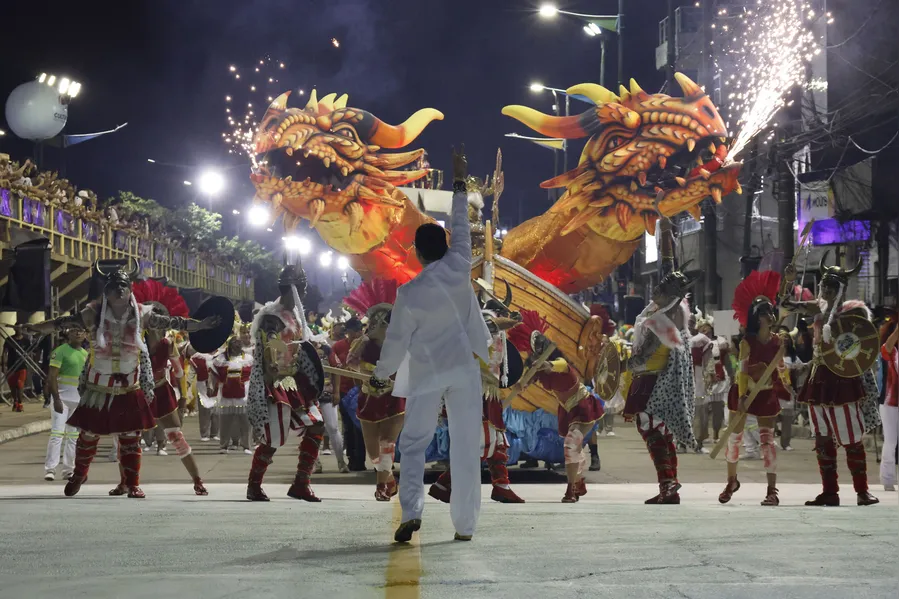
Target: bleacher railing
[[84, 241]]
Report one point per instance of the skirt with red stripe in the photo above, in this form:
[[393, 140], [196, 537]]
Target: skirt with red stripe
[[639, 393], [376, 409], [164, 400], [587, 411], [493, 413], [289, 410], [831, 389], [106, 414], [765, 404]]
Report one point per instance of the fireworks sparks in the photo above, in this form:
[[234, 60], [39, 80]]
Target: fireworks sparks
[[767, 57], [259, 87]]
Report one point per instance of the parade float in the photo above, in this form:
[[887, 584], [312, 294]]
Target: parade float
[[646, 156]]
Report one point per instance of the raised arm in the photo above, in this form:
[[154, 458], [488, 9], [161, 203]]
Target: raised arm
[[460, 240], [83, 319], [178, 323]]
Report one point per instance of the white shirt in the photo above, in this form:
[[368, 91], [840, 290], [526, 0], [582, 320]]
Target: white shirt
[[436, 324]]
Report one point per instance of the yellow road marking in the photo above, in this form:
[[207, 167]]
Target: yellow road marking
[[403, 574]]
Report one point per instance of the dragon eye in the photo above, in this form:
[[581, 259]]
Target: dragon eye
[[614, 143], [347, 132]]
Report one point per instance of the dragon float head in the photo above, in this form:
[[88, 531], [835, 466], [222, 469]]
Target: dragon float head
[[324, 163], [647, 154]]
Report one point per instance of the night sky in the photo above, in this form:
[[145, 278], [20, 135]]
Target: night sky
[[162, 66]]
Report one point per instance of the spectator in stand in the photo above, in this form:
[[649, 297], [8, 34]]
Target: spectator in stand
[[355, 444], [889, 410], [13, 359]]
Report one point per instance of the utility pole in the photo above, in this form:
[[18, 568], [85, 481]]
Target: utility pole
[[602, 60], [749, 263]]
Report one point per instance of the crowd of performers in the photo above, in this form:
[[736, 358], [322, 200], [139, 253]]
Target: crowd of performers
[[266, 384]]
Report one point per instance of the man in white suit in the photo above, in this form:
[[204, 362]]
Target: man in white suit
[[435, 335]]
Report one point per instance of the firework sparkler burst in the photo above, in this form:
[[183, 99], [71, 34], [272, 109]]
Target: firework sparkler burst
[[768, 46], [253, 87]]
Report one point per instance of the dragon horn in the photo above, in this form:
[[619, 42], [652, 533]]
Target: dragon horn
[[380, 133], [280, 102], [565, 127], [596, 93], [312, 104], [341, 101], [687, 85], [822, 268]]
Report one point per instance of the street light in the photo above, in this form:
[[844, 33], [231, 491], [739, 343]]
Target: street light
[[298, 244], [211, 182], [537, 87], [325, 259], [548, 11], [343, 263], [235, 211], [258, 215]]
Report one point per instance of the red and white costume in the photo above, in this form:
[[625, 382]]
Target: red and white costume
[[232, 374], [283, 397], [889, 413]]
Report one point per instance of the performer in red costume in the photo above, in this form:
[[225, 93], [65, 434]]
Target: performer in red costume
[[285, 383], [754, 306], [842, 409], [494, 376], [231, 371], [578, 409], [379, 412], [660, 398], [117, 388]]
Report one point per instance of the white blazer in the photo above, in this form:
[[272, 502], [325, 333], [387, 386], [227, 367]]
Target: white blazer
[[436, 326]]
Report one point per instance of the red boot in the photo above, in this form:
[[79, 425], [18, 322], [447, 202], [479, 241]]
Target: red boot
[[309, 448], [858, 467], [129, 461], [733, 485], [442, 489], [85, 450], [571, 495], [301, 490], [392, 487], [262, 458], [381, 492], [505, 495], [826, 453], [581, 488]]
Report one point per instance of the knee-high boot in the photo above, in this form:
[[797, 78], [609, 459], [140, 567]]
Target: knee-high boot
[[262, 458], [858, 467], [499, 476], [85, 450], [664, 456], [130, 458], [826, 452], [309, 448]]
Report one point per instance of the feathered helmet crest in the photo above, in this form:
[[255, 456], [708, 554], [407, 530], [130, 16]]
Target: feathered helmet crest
[[165, 300], [601, 312], [755, 293], [373, 298], [524, 334]]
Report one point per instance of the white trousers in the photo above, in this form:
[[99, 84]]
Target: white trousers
[[464, 413], [60, 431], [332, 427], [890, 417]]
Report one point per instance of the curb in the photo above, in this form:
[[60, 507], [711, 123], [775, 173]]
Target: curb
[[32, 428]]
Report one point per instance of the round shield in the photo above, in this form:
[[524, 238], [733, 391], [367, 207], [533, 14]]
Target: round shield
[[309, 366], [608, 372], [516, 365], [209, 340], [854, 346]]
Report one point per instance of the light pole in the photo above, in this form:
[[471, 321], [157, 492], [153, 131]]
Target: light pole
[[593, 26], [211, 183]]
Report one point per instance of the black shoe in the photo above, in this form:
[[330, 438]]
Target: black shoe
[[529, 464], [595, 464], [404, 532]]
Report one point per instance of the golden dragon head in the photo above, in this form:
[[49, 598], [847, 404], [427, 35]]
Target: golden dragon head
[[323, 162], [647, 154]]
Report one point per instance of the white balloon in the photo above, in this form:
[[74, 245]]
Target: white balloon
[[33, 111]]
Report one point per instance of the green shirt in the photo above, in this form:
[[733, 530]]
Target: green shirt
[[70, 361]]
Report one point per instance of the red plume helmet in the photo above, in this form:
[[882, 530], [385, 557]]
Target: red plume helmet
[[757, 288], [370, 294], [520, 334], [158, 295], [600, 311]]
